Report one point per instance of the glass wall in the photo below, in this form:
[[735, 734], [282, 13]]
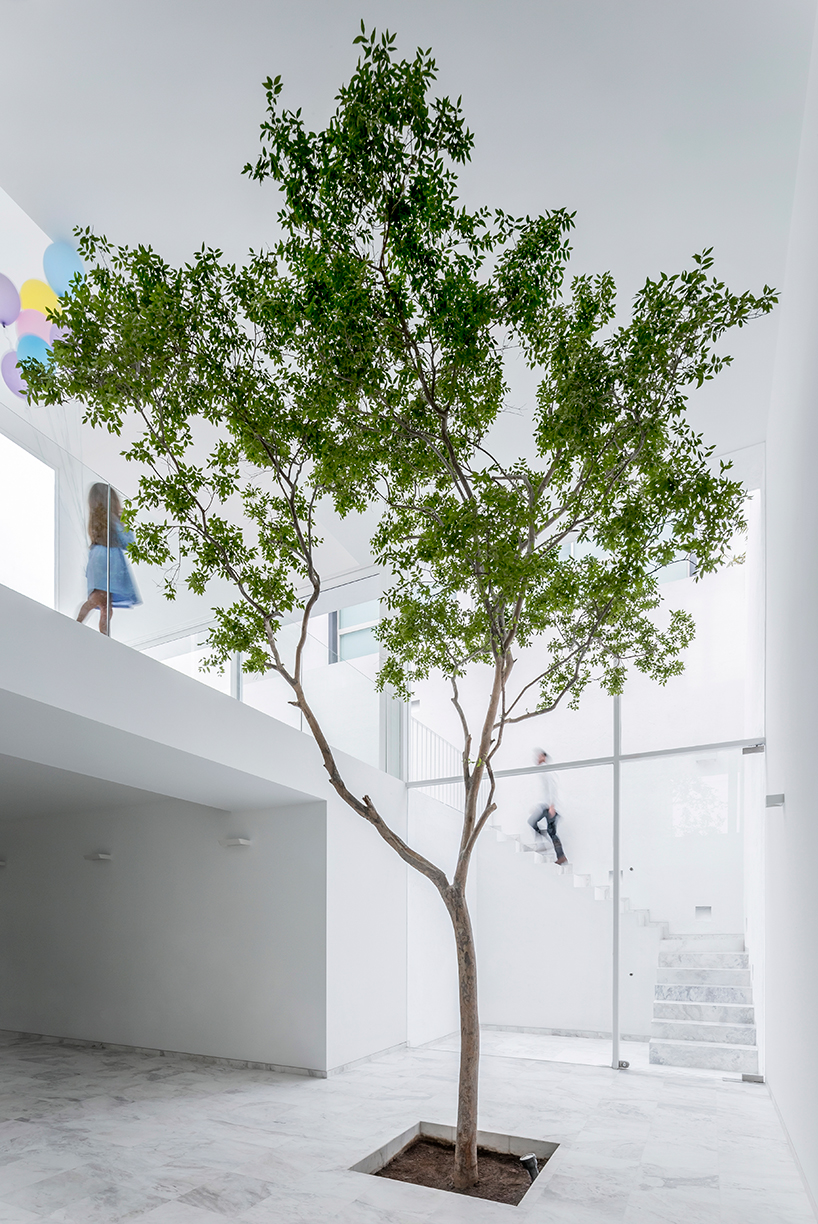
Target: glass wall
[[691, 828], [720, 694], [567, 735], [682, 865], [692, 949], [682, 855]]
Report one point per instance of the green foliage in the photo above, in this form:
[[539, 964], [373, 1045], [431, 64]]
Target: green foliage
[[361, 359]]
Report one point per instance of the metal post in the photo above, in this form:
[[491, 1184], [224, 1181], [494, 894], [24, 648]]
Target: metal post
[[617, 753], [108, 569], [236, 677]]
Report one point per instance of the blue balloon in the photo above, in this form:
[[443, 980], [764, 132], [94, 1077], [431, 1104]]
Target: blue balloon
[[32, 346], [60, 263]]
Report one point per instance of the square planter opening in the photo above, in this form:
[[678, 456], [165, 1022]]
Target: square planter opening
[[423, 1155]]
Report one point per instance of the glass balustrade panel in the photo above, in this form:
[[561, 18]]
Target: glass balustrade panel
[[188, 655]]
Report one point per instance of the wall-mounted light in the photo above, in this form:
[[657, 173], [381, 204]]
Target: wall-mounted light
[[99, 856], [235, 841], [774, 801]]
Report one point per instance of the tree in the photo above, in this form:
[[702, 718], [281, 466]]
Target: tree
[[362, 358]]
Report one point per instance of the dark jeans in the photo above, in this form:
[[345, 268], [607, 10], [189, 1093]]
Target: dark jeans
[[541, 814]]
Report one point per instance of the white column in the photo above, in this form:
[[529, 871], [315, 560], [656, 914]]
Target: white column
[[792, 676]]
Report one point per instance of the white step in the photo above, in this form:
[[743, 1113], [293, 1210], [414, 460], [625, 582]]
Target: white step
[[643, 918], [704, 1054], [681, 992], [693, 942], [704, 1030], [716, 1013], [704, 960], [705, 977], [542, 852]]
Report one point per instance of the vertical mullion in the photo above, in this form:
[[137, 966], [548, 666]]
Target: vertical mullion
[[108, 569], [615, 892]]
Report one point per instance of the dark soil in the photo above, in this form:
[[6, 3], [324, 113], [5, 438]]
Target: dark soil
[[429, 1162]]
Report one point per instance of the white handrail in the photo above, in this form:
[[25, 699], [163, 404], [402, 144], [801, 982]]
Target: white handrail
[[431, 757]]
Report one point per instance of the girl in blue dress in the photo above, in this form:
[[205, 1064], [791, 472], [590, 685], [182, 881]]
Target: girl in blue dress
[[123, 592]]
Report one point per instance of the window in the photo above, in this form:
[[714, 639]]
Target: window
[[351, 632]]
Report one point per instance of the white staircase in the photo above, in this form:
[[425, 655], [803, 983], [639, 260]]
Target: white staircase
[[542, 853], [703, 1012], [703, 1007]]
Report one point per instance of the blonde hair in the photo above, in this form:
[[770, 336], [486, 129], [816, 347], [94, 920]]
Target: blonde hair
[[98, 511]]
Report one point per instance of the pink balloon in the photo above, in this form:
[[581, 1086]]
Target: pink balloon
[[12, 377], [57, 333], [34, 323]]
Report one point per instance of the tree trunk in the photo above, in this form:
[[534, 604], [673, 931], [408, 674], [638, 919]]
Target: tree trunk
[[465, 1155]]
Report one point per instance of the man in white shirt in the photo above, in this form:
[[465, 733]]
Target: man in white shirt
[[546, 813]]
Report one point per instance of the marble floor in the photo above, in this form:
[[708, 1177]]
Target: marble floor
[[89, 1136]]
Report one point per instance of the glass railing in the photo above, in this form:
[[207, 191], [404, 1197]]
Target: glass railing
[[48, 500], [63, 545], [62, 540], [342, 694]]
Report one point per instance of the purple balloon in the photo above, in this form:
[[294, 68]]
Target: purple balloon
[[12, 377], [57, 332], [9, 301]]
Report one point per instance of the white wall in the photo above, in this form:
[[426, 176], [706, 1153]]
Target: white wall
[[544, 950], [432, 1006], [177, 943], [792, 678], [366, 930]]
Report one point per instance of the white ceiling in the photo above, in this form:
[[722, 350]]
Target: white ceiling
[[669, 126], [30, 788]]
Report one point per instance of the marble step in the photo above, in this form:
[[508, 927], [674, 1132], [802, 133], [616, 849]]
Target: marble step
[[704, 1030], [704, 960], [704, 1054], [703, 943], [696, 993], [716, 1013], [705, 977]]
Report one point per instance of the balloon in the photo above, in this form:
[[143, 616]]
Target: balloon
[[32, 346], [9, 301], [32, 323], [12, 377], [57, 333], [36, 295], [60, 263]]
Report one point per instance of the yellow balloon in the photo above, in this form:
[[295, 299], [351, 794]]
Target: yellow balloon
[[37, 295]]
